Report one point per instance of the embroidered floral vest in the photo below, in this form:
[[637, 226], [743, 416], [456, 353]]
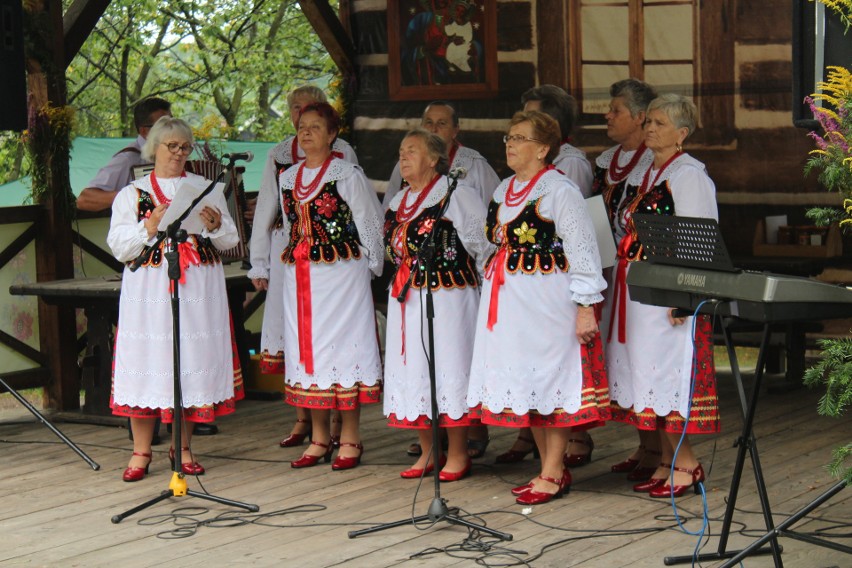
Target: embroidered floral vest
[[331, 231], [533, 245], [656, 201], [452, 267], [206, 251], [611, 192]]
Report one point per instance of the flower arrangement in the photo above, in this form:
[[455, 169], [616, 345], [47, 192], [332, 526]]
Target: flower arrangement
[[833, 159]]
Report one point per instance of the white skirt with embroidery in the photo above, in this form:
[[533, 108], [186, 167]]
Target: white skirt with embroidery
[[531, 359], [143, 368], [345, 345], [272, 330], [407, 393]]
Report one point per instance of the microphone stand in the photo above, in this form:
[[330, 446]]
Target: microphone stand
[[438, 509], [176, 235]]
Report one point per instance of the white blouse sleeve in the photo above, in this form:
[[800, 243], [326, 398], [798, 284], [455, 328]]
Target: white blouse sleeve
[[226, 236], [574, 226], [694, 193], [358, 193], [467, 214], [268, 205], [578, 170], [349, 154], [127, 235]]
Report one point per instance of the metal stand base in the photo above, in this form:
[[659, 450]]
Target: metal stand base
[[177, 488], [438, 511], [47, 423]]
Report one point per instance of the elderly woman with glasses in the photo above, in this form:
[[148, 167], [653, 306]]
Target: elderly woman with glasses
[[537, 358], [143, 367]]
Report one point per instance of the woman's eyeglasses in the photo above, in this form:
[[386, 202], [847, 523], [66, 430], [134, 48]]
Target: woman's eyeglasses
[[518, 138], [175, 148]]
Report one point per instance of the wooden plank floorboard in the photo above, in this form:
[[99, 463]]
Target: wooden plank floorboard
[[56, 511]]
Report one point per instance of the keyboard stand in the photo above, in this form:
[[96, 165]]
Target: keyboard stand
[[746, 443]]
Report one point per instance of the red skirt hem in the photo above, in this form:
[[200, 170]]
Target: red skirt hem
[[334, 398], [423, 422]]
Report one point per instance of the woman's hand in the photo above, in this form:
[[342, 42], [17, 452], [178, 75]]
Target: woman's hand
[[153, 221], [211, 217], [260, 284], [587, 325], [673, 320]]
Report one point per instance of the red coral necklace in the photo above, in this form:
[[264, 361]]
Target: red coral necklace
[[514, 198], [405, 211], [301, 192], [618, 173], [158, 192]]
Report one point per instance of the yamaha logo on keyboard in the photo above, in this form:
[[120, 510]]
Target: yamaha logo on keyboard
[[694, 280]]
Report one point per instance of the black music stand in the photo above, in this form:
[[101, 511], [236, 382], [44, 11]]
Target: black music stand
[[697, 243], [50, 426], [176, 235], [438, 509]]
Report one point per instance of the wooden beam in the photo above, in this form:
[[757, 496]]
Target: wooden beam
[[331, 32], [78, 22]]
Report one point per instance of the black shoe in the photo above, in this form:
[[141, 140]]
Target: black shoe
[[201, 429]]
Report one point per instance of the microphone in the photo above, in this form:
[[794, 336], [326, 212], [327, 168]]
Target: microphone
[[244, 156], [457, 173]]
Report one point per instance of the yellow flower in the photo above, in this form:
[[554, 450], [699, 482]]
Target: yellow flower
[[525, 233]]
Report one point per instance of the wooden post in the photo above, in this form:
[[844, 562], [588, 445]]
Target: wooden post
[[54, 260]]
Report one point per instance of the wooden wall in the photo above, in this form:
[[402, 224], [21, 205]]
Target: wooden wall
[[743, 57]]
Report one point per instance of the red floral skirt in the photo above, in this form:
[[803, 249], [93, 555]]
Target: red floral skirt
[[423, 422], [334, 398], [704, 411], [594, 408], [272, 364]]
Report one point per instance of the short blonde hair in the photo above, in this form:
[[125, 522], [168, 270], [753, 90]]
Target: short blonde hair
[[680, 110], [162, 128], [315, 93], [545, 130]]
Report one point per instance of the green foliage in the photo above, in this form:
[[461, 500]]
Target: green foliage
[[11, 156], [226, 60], [824, 216], [834, 371]]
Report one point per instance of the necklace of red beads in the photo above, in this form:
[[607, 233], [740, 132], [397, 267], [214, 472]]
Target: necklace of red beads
[[406, 211], [514, 198], [301, 192], [618, 173]]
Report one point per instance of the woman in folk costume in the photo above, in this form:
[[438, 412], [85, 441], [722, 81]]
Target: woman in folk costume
[[143, 366], [572, 163], [267, 243], [624, 125], [333, 220], [460, 247], [662, 379], [537, 358]]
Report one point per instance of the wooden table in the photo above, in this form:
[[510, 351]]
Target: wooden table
[[98, 297]]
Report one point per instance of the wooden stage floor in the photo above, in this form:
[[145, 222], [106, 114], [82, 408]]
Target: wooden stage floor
[[55, 510]]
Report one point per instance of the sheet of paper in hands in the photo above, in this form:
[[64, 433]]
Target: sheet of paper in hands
[[184, 196]]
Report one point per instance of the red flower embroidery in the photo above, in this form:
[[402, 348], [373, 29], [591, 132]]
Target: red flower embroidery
[[327, 206], [425, 226]]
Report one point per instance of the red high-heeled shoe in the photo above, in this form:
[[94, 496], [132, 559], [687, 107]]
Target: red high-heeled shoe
[[643, 473], [449, 476], [137, 473], [515, 456], [341, 463], [188, 468], [652, 483], [533, 497], [414, 473], [308, 460], [667, 490], [294, 439], [577, 460], [566, 484], [627, 465]]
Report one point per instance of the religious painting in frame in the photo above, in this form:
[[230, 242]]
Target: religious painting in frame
[[442, 49]]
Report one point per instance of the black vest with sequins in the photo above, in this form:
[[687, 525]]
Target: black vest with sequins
[[533, 245]]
